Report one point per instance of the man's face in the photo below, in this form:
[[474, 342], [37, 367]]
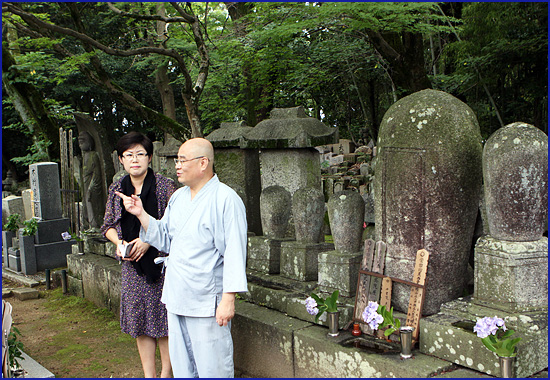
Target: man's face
[[188, 167]]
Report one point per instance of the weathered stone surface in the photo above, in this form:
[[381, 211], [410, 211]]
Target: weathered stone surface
[[317, 355], [346, 210], [240, 170], [94, 243], [339, 271], [262, 341], [292, 169], [23, 294], [100, 278], [229, 135], [91, 182], [308, 210], [292, 303], [264, 254], [515, 173], [44, 180], [426, 192], [299, 260], [511, 276], [12, 205], [275, 210], [289, 128], [26, 195], [75, 286], [449, 335]]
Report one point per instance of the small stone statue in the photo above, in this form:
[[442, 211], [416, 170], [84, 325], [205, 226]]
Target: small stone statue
[[92, 189]]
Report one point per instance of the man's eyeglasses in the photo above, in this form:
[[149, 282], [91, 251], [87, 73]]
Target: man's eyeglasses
[[139, 155], [178, 161]]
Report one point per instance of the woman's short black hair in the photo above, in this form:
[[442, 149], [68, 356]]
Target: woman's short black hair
[[133, 138]]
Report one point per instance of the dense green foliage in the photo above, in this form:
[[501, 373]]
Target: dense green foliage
[[346, 63]]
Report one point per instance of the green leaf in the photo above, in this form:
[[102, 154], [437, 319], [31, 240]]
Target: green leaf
[[389, 331], [487, 342]]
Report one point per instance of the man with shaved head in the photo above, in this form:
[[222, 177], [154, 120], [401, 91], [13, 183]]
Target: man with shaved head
[[204, 230]]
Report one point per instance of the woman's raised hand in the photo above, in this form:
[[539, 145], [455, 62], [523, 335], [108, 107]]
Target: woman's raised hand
[[132, 204]]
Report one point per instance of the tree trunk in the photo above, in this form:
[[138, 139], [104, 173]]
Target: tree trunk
[[405, 54], [30, 105]]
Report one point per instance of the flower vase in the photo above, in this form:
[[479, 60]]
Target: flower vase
[[405, 335], [332, 321], [506, 366]]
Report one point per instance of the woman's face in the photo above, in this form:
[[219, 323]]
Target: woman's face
[[135, 160]]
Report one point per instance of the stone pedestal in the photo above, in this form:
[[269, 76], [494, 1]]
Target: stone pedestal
[[14, 259], [339, 271], [264, 254], [449, 335], [7, 237], [49, 231], [299, 260], [53, 255], [511, 276], [28, 254]]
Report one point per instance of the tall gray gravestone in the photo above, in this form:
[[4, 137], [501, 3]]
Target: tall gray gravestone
[[426, 192], [338, 269], [49, 249], [44, 180], [511, 262], [239, 168]]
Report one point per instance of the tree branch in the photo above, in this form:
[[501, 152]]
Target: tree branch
[[186, 18]]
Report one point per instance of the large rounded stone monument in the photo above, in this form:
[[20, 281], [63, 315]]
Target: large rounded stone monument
[[427, 186]]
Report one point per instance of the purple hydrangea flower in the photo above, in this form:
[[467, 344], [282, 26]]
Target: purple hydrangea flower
[[311, 306], [488, 326], [66, 236], [371, 316]]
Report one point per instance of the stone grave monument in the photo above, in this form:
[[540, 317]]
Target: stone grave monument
[[239, 168], [47, 249], [264, 252], [287, 141], [511, 263], [299, 259], [91, 184], [426, 192], [338, 269]]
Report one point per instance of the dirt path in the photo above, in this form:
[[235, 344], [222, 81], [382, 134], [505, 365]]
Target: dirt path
[[72, 338]]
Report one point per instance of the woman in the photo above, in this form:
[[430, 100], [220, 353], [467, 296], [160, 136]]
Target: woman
[[142, 315]]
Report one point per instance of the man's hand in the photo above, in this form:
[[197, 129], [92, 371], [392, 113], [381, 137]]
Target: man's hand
[[138, 250], [132, 204], [226, 309]]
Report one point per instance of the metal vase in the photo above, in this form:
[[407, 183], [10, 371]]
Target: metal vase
[[506, 366], [332, 320], [405, 334]]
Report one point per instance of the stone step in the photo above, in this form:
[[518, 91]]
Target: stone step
[[19, 278], [33, 369], [23, 294]]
